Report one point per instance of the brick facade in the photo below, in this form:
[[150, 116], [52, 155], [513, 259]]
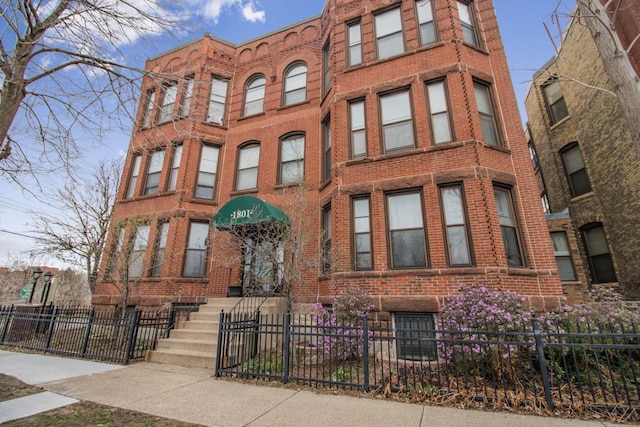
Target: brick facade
[[596, 125], [474, 165]]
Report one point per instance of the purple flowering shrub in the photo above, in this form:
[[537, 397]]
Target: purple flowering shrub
[[474, 315], [342, 328]]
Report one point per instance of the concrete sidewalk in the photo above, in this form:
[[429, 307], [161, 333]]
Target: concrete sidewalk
[[193, 395]]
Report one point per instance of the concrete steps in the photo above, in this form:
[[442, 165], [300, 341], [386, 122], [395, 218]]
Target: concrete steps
[[195, 342]]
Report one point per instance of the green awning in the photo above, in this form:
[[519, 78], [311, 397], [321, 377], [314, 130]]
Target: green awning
[[247, 210]]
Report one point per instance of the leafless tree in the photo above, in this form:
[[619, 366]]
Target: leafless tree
[[63, 67], [77, 232]]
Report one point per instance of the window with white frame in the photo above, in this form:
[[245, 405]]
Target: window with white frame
[[354, 35], [357, 131], [207, 170], [326, 68], [406, 232], [456, 225], [486, 111], [326, 149], [397, 121], [465, 11], [254, 95], [161, 245], [152, 183], [175, 167], [217, 100], [389, 37], [116, 250], [149, 100], [326, 240], [133, 176], [426, 22], [136, 257], [169, 94], [361, 226], [196, 257], [187, 94], [295, 83], [248, 161], [292, 159], [439, 112]]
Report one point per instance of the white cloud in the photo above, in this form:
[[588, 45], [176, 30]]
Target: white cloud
[[251, 14], [214, 8]]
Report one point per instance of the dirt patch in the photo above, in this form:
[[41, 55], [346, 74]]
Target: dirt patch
[[83, 414]]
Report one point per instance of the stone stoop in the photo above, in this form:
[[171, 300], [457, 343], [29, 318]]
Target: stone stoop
[[195, 342]]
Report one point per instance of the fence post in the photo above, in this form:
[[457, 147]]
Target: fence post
[[219, 348], [365, 351], [87, 332], [133, 328], [543, 363], [52, 322], [6, 324], [287, 345]]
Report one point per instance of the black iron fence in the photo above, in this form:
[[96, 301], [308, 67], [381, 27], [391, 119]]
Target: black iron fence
[[556, 365], [87, 332]]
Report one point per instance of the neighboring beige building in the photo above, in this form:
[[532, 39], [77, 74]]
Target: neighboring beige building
[[587, 164]]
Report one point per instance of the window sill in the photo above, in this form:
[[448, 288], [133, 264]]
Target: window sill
[[556, 125], [284, 107], [241, 192], [300, 184], [211, 202], [582, 197], [251, 116], [474, 47]]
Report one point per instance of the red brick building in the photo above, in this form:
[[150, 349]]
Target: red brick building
[[389, 127]]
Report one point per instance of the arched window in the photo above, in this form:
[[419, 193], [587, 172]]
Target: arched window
[[292, 159], [254, 95], [295, 83]]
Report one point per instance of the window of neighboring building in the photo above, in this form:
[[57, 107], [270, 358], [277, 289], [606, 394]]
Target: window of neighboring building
[[439, 112], [187, 94], [534, 156], [486, 111], [465, 11], [207, 171], [326, 240], [136, 257], [149, 100], [426, 22], [217, 100], [413, 332], [161, 245], [326, 68], [295, 83], [397, 121], [196, 257], [175, 167], [406, 231], [169, 94], [576, 170], [455, 225], [509, 226], [248, 161], [133, 177], [563, 256], [254, 95], [116, 250], [358, 133], [598, 254], [354, 35], [555, 101], [388, 28], [326, 149], [292, 159], [154, 170], [545, 202], [362, 248]]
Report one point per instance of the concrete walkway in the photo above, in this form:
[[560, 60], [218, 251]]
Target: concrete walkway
[[194, 396]]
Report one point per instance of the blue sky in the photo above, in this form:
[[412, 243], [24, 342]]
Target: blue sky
[[526, 42]]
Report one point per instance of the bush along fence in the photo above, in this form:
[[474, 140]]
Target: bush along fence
[[552, 362], [87, 332]]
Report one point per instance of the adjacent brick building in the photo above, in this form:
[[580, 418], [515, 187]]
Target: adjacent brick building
[[390, 128], [586, 161]]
